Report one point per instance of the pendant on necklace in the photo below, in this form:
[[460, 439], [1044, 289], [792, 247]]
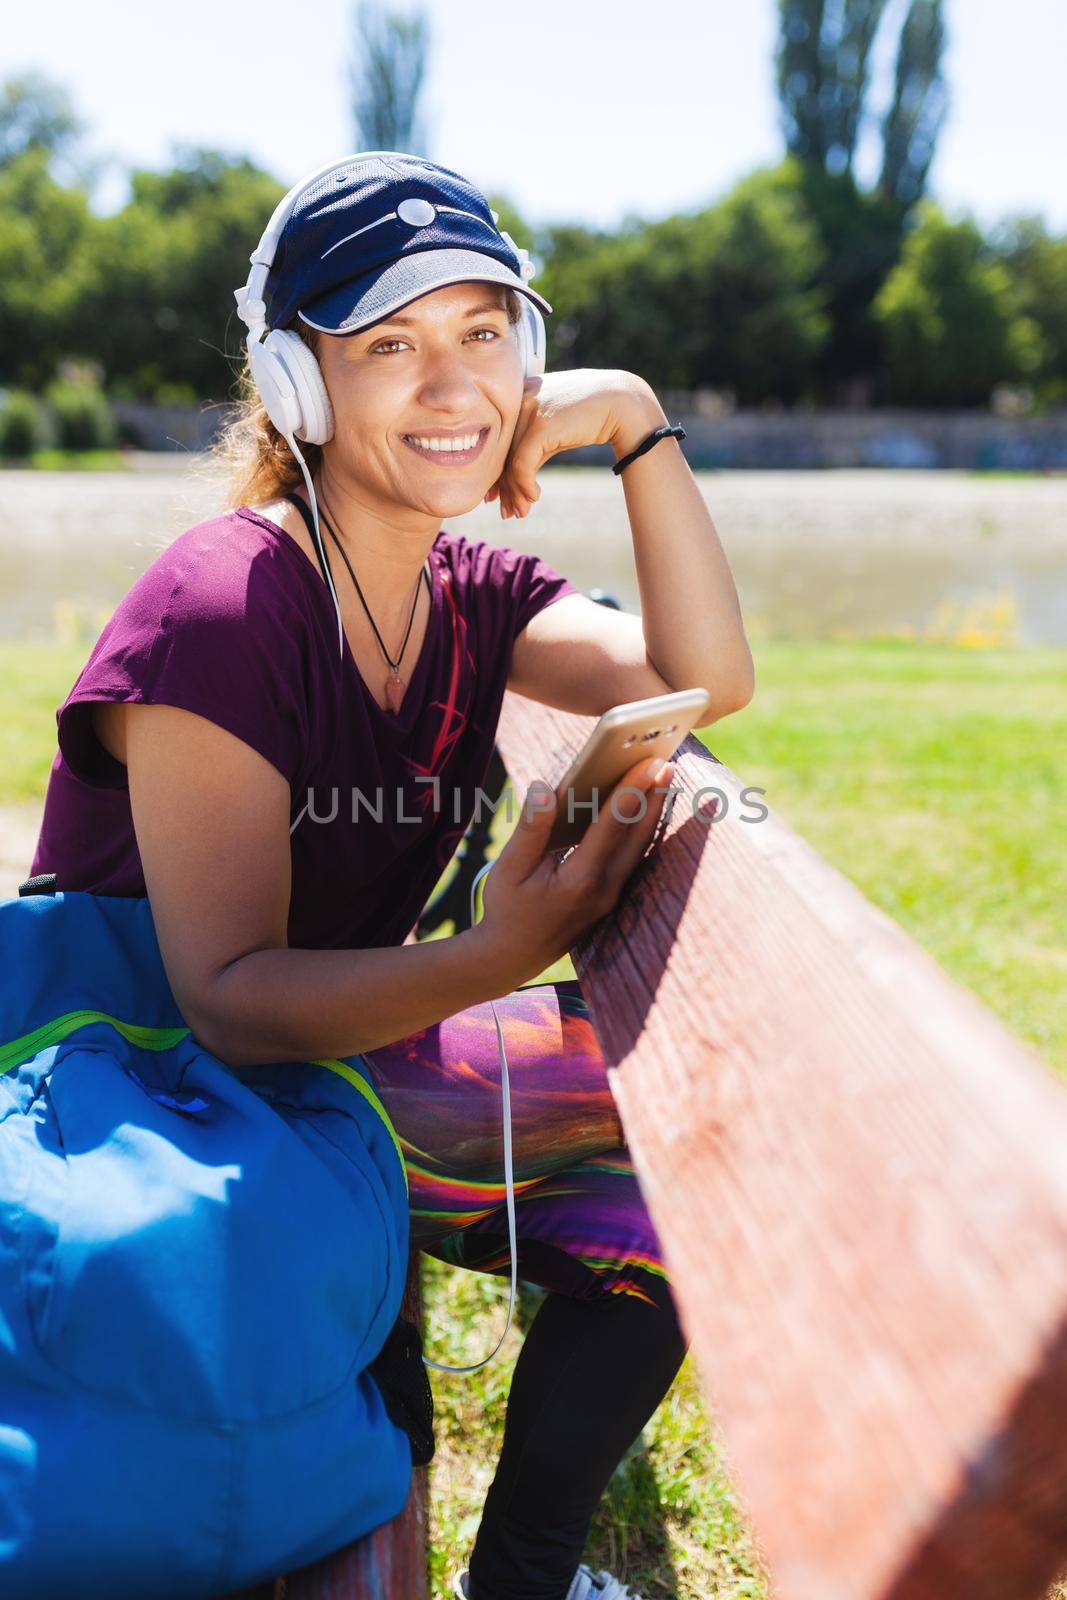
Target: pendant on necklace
[[394, 691]]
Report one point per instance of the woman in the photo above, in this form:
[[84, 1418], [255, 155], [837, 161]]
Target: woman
[[287, 808]]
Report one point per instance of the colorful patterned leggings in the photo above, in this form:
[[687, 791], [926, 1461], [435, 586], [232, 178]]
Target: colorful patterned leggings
[[581, 1224], [606, 1342]]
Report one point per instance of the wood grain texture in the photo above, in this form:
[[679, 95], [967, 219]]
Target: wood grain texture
[[859, 1179]]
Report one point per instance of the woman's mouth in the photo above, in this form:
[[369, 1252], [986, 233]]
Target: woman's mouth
[[451, 450]]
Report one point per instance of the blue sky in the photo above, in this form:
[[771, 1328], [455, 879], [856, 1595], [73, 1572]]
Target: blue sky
[[578, 111]]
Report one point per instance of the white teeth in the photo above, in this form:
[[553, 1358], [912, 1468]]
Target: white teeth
[[466, 442]]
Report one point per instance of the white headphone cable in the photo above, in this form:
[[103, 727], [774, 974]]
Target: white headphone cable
[[509, 1187], [325, 565]]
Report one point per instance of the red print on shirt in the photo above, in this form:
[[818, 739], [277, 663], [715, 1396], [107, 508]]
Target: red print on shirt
[[452, 718]]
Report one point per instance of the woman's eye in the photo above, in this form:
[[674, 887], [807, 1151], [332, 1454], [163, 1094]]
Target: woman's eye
[[383, 343]]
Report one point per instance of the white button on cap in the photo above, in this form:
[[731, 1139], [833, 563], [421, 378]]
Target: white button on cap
[[416, 213]]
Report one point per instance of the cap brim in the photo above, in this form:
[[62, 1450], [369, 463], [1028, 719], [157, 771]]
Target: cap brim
[[368, 299]]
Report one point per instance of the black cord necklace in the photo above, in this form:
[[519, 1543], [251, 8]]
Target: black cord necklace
[[394, 684]]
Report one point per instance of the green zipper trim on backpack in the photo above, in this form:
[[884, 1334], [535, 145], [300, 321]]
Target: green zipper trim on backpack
[[19, 1050], [350, 1075]]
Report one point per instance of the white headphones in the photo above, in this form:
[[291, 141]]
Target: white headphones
[[285, 371]]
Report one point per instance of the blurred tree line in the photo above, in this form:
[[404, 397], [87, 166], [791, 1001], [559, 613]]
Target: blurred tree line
[[796, 286]]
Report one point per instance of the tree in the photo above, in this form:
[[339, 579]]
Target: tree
[[36, 114], [1037, 264], [913, 121], [728, 297], [386, 78], [822, 64], [860, 234], [158, 309], [45, 233], [823, 74], [951, 319]]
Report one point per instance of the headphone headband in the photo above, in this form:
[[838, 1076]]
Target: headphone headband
[[251, 307]]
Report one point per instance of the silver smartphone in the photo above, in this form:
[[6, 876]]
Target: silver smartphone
[[623, 736]]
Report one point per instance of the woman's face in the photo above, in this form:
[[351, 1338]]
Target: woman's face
[[443, 367]]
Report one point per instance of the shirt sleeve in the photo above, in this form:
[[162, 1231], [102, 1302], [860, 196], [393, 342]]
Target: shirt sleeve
[[536, 585], [212, 637]]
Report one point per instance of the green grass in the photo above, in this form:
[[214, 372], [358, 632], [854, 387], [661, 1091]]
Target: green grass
[[1014, 472], [73, 461], [35, 678], [935, 777]]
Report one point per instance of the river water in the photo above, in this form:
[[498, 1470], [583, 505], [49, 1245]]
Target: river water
[[812, 553]]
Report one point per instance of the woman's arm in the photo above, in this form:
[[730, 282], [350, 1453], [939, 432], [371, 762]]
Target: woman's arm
[[583, 657], [211, 817], [694, 633]]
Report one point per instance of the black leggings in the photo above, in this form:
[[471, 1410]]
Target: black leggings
[[589, 1376]]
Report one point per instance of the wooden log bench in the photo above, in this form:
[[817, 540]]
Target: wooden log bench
[[859, 1179]]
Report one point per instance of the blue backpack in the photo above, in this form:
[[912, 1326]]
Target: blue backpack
[[197, 1266]]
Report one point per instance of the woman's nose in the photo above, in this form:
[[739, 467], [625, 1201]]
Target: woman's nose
[[446, 379]]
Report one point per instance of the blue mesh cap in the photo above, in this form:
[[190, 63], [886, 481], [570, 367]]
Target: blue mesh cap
[[368, 237]]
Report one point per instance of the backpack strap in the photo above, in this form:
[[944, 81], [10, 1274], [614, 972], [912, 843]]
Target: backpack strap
[[43, 883]]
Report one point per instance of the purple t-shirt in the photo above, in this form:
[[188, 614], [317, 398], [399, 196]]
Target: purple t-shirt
[[233, 621]]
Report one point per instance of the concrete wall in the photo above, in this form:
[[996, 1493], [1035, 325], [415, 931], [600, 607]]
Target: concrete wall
[[962, 439], [152, 427]]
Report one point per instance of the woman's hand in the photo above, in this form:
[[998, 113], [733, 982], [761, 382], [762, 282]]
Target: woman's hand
[[536, 902], [563, 410]]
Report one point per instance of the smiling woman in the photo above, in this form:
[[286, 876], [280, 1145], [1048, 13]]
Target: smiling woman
[[395, 378]]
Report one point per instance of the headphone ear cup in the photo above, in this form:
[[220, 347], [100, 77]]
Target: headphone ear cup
[[275, 387], [533, 339], [314, 422], [522, 339]]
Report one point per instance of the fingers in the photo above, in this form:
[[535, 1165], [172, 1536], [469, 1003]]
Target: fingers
[[525, 846], [519, 488], [625, 822], [638, 836], [516, 502]]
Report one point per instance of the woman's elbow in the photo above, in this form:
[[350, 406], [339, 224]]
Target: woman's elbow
[[745, 690], [731, 697], [212, 1024]]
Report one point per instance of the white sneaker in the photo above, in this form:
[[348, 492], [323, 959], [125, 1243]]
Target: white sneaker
[[584, 1587], [601, 1587]]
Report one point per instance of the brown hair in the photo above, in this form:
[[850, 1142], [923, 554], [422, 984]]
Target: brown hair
[[250, 455]]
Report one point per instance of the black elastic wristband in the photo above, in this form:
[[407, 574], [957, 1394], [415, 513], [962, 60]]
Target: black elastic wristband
[[646, 444]]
